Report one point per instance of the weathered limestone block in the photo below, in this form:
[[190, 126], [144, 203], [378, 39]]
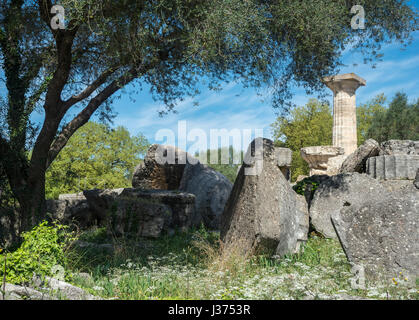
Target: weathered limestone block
[[284, 156], [162, 168], [187, 174], [381, 234], [59, 289], [72, 209], [336, 192], [399, 147], [72, 196], [47, 289], [319, 159], [393, 167], [263, 213], [211, 189], [357, 161], [303, 222], [145, 213], [142, 212], [16, 292]]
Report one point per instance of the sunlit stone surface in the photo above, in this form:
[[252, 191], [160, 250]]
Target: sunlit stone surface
[[328, 159]]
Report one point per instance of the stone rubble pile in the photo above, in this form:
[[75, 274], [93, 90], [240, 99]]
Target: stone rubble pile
[[170, 168], [48, 289], [373, 207], [172, 191]]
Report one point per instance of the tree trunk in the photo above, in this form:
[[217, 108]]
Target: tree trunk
[[32, 203], [32, 206]]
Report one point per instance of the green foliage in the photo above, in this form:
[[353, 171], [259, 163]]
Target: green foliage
[[95, 157], [95, 235], [309, 125], [42, 248], [192, 266], [301, 186], [367, 113], [170, 46], [399, 121], [229, 166]]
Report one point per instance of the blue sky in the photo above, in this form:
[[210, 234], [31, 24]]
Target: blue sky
[[236, 107]]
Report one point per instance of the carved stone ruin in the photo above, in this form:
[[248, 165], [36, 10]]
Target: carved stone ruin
[[328, 159]]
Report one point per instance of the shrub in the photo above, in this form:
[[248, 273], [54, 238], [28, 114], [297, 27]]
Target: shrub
[[43, 248], [302, 186]]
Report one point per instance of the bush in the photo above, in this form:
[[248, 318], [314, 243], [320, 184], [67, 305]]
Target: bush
[[43, 248], [301, 186]]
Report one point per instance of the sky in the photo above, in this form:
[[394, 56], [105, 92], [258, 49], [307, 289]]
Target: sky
[[238, 108]]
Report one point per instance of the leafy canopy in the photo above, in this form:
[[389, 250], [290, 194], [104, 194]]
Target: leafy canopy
[[170, 45], [309, 125], [95, 157], [399, 121], [367, 113]]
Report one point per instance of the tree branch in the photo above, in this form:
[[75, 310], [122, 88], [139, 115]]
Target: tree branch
[[84, 116], [89, 89], [64, 42]]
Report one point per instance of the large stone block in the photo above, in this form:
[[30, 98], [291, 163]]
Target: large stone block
[[357, 161], [142, 212], [381, 234], [399, 147], [162, 168], [336, 192], [170, 168], [211, 189], [323, 159], [393, 167], [73, 209], [136, 211], [263, 213], [72, 196], [284, 156]]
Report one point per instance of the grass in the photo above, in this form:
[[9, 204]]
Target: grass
[[193, 265]]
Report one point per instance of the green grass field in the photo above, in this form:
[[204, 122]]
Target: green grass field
[[193, 265]]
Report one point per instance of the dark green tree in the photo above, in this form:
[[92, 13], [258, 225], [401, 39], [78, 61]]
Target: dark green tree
[[400, 121], [367, 113], [74, 72]]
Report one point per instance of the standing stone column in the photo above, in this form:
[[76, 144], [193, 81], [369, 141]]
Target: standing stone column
[[344, 110]]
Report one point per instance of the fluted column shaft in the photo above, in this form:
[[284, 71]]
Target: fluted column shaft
[[344, 118], [344, 110]]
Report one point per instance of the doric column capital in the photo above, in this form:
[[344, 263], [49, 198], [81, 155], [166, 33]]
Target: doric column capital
[[348, 82]]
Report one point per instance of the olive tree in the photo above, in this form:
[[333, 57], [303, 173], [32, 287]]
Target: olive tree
[[77, 67]]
